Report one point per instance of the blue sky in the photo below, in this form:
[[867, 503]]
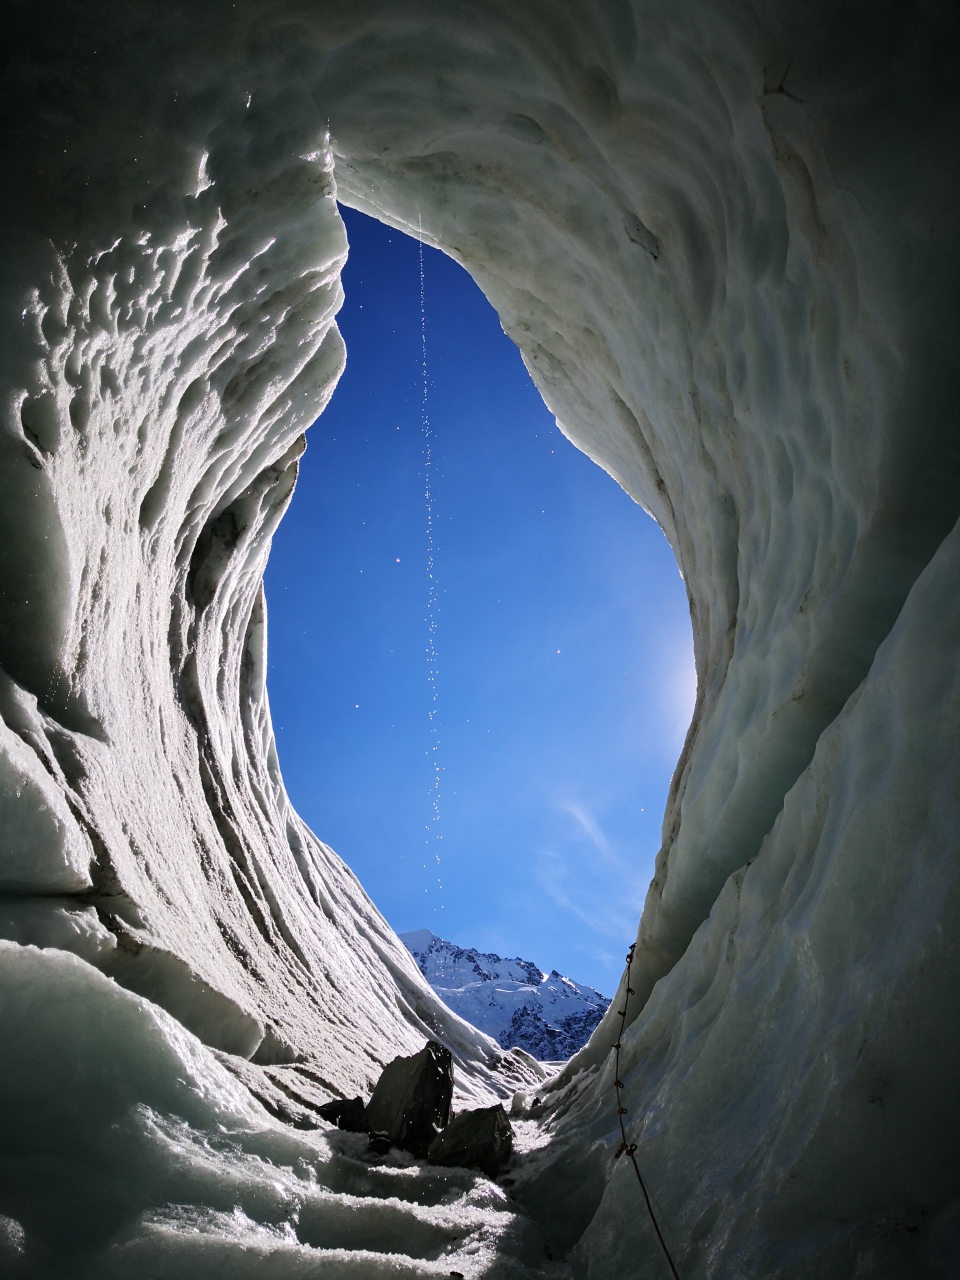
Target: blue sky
[[563, 680]]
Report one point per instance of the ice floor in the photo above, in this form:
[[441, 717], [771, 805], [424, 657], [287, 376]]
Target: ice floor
[[161, 1163]]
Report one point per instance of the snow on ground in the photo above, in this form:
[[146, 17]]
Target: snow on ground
[[513, 1001], [186, 1177]]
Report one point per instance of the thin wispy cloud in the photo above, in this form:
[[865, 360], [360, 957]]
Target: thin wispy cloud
[[590, 828], [587, 876]]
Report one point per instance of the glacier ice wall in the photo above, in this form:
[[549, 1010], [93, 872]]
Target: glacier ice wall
[[723, 236], [171, 337]]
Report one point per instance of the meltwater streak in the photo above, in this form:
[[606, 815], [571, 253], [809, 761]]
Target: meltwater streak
[[432, 598]]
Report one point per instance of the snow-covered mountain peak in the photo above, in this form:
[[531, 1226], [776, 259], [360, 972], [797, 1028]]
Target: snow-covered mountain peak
[[513, 1000], [419, 939]]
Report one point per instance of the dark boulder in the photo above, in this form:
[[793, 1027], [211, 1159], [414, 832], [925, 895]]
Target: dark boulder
[[411, 1102], [475, 1140], [345, 1113], [380, 1143]]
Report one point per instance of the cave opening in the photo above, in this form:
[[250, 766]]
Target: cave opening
[[564, 675]]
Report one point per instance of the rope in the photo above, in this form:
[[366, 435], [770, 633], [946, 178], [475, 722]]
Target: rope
[[630, 1148]]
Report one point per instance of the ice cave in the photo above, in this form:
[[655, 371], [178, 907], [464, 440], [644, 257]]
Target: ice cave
[[723, 234]]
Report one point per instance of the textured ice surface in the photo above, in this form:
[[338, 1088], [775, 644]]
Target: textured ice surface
[[183, 1173], [157, 415], [724, 237], [513, 1001], [845, 1117]]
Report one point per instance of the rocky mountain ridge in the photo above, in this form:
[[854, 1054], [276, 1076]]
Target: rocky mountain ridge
[[512, 1000]]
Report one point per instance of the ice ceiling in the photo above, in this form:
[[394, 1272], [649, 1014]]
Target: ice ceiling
[[724, 237]]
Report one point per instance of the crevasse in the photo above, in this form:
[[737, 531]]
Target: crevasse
[[723, 236]]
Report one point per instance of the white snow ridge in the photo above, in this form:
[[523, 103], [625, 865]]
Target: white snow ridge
[[544, 1014], [724, 237]]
